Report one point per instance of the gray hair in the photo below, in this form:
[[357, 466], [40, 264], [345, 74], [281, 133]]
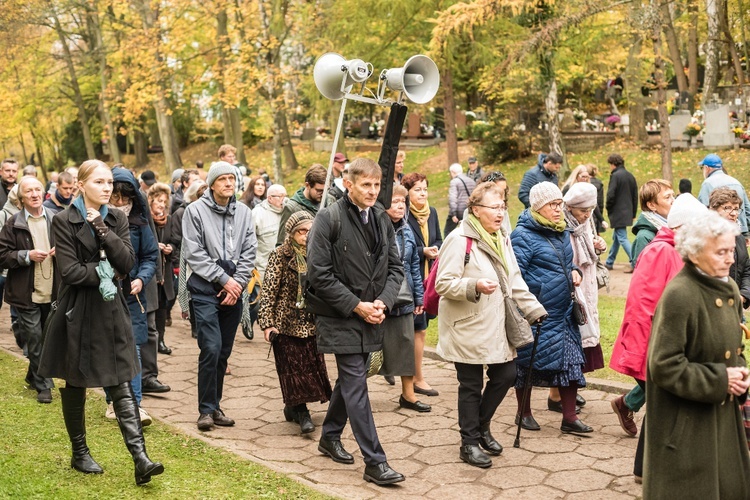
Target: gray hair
[[692, 236], [456, 169], [276, 189], [191, 194]]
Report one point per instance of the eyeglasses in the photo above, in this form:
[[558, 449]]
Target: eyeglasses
[[555, 205], [496, 208], [302, 231], [730, 210]]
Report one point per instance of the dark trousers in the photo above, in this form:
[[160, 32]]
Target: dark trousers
[[477, 407], [149, 349], [351, 400], [31, 322], [217, 327], [638, 464]]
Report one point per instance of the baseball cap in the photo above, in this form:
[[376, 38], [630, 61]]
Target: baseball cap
[[472, 159], [340, 158], [711, 161], [148, 177]]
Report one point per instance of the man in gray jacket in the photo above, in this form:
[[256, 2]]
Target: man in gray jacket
[[218, 240], [459, 191]]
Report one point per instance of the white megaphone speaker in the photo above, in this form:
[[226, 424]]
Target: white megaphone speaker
[[418, 79], [334, 75]]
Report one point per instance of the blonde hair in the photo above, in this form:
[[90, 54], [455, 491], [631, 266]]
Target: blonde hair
[[158, 189], [573, 178], [87, 168]]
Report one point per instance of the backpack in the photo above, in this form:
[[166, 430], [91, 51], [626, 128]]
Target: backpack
[[431, 297]]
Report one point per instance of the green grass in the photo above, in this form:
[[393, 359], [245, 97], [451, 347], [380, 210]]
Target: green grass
[[35, 456]]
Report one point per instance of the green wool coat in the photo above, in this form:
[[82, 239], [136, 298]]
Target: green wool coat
[[695, 445]]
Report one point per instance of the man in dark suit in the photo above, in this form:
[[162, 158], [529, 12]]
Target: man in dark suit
[[354, 273], [622, 205]]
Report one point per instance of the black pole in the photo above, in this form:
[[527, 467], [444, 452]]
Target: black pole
[[527, 383]]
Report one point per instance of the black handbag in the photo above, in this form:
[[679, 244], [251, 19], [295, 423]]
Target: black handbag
[[579, 315], [200, 286]]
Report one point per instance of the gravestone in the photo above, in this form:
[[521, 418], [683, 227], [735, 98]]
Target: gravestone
[[678, 122], [364, 131], [718, 132]]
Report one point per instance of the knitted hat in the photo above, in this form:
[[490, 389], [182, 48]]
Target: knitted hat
[[296, 220], [177, 174], [218, 169], [543, 193], [580, 195], [684, 209]]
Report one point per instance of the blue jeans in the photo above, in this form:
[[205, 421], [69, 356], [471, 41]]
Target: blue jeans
[[620, 237], [216, 326]]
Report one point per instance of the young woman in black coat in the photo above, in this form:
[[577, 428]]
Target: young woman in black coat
[[89, 341]]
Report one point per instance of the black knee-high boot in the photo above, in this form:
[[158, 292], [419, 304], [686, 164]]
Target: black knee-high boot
[[129, 419], [74, 412]]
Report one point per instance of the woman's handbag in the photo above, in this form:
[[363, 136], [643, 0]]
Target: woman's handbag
[[602, 275], [405, 297], [374, 363]]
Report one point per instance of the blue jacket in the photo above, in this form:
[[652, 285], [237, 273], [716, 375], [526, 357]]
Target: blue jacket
[[541, 270], [533, 177], [146, 254], [407, 250]]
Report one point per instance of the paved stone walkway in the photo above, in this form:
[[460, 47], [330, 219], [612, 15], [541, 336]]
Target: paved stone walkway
[[424, 447]]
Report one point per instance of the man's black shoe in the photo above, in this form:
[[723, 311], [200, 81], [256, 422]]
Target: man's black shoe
[[382, 474], [164, 349], [472, 455], [152, 385], [335, 450], [44, 396], [489, 443]]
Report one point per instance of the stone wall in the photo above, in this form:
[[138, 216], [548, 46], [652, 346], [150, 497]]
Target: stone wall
[[581, 142]]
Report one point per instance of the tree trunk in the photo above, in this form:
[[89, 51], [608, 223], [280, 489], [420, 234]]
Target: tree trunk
[[633, 86], [661, 100], [674, 47], [549, 88], [731, 47], [38, 147], [77, 96], [286, 139], [742, 27], [449, 114], [693, 48], [278, 172], [229, 113], [162, 107], [95, 27], [141, 148], [711, 76]]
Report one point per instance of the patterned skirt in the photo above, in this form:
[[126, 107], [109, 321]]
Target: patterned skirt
[[302, 370], [572, 371]]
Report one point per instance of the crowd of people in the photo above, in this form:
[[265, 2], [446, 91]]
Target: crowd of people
[[101, 255]]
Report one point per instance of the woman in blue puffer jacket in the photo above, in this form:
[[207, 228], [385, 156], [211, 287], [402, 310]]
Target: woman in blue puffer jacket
[[541, 242], [398, 341]]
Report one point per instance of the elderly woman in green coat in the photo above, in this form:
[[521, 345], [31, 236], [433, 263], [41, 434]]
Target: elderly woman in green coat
[[697, 378]]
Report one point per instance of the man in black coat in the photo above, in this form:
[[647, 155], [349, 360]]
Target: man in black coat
[[622, 205], [354, 274]]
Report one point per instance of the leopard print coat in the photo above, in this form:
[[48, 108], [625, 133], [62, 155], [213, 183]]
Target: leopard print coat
[[278, 297]]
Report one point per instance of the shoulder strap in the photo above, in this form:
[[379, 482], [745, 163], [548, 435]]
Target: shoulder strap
[[335, 212], [466, 188], [562, 263], [469, 242]]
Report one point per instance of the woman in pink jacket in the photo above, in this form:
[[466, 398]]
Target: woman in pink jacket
[[658, 263]]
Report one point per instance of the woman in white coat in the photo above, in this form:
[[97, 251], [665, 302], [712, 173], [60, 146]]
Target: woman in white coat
[[580, 202], [471, 318]]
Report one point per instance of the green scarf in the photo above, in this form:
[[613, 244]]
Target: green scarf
[[494, 240], [555, 226], [300, 255]]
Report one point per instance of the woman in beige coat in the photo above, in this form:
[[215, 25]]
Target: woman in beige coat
[[471, 318]]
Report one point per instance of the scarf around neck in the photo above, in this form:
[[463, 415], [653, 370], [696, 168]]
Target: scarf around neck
[[494, 240], [655, 219], [160, 220], [582, 239], [63, 201], [124, 209], [555, 226], [300, 256], [422, 216]]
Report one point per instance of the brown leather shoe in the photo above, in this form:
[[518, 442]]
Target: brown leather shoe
[[629, 270], [625, 415]]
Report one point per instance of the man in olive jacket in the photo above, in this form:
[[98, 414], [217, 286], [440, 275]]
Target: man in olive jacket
[[622, 205], [354, 274]]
